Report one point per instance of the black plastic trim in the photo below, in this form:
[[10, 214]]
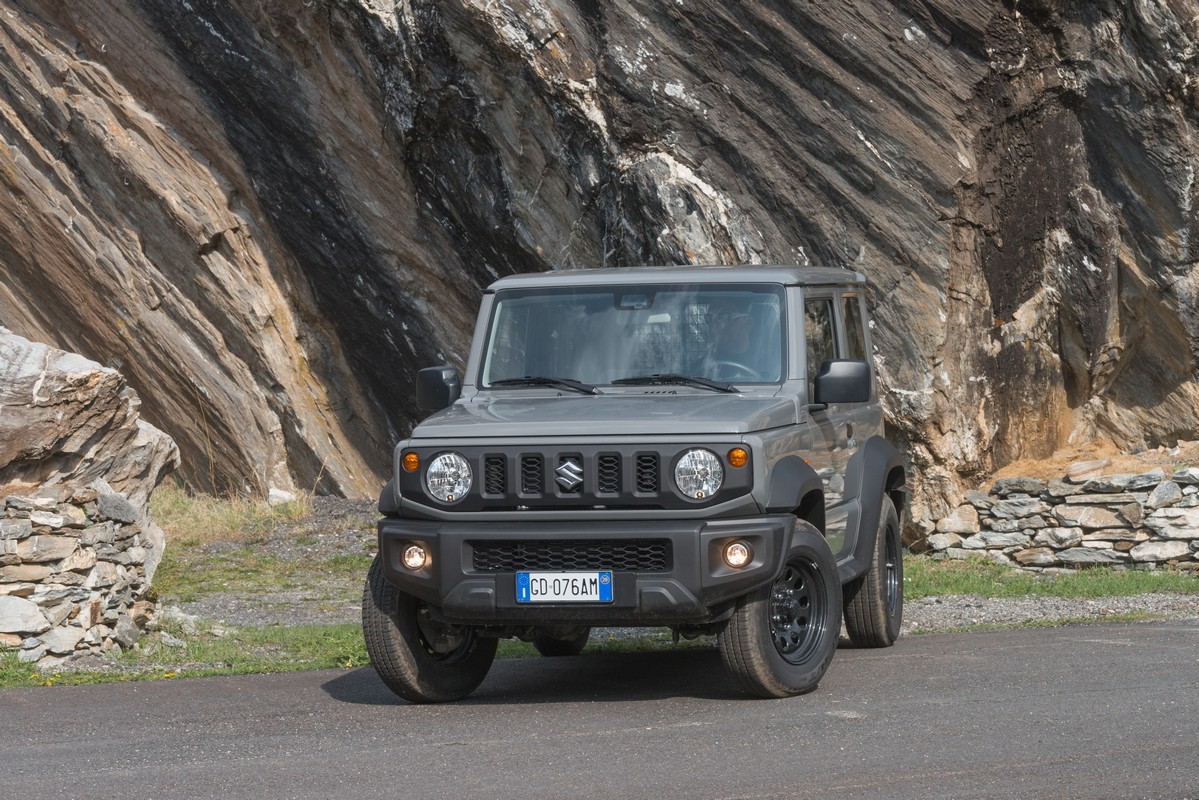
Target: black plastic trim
[[389, 504], [695, 589], [791, 480], [867, 477]]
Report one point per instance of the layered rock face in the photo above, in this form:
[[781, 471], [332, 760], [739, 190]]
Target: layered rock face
[[271, 213]]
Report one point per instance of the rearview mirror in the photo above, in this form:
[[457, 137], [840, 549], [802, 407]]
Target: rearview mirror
[[437, 388], [842, 381]]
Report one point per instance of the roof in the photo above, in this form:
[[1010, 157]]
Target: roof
[[788, 275]]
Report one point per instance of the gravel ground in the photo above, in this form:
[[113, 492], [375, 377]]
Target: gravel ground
[[926, 615], [345, 527], [949, 612]]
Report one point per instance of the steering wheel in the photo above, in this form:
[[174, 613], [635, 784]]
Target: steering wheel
[[739, 371]]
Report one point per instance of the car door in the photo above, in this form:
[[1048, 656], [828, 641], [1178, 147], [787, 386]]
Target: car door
[[853, 423], [820, 345]]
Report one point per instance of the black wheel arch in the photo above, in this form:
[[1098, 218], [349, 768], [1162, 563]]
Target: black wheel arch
[[875, 471], [389, 505], [795, 488]]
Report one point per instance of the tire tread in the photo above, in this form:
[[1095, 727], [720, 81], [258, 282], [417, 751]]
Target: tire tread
[[866, 619], [401, 664]]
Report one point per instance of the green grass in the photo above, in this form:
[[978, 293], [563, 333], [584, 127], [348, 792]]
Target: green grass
[[925, 577], [238, 652]]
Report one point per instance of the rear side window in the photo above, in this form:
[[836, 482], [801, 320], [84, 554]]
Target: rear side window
[[855, 331], [819, 334]]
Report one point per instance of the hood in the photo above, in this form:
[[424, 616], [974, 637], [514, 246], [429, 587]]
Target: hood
[[526, 416]]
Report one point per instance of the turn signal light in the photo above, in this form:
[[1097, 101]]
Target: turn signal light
[[737, 554], [411, 462], [738, 457], [415, 557]]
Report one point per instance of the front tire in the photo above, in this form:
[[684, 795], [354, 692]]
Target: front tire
[[782, 637], [874, 602], [420, 659]]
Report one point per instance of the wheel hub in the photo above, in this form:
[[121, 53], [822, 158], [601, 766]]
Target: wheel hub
[[797, 611], [893, 567]]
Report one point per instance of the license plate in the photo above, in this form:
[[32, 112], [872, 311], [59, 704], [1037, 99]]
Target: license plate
[[564, 587]]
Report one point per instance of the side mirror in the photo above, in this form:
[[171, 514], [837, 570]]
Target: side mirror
[[437, 388], [842, 382]]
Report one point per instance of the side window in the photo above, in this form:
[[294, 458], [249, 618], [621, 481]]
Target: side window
[[819, 334], [855, 331]]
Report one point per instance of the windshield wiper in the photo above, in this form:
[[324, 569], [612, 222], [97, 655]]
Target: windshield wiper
[[681, 380], [557, 383]]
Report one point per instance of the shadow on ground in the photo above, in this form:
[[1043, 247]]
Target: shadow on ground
[[602, 676]]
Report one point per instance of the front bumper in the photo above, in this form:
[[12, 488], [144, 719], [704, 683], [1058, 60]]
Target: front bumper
[[693, 586]]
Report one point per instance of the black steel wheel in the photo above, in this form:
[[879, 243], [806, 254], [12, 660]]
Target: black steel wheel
[[420, 658], [782, 637], [797, 612], [874, 601]]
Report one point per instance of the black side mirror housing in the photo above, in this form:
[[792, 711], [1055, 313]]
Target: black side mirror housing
[[437, 388], [842, 381]]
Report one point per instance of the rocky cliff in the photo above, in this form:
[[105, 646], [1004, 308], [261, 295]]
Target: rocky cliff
[[268, 213]]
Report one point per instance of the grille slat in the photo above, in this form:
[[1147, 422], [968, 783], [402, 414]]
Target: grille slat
[[647, 473], [629, 555], [495, 475], [608, 465], [531, 475]]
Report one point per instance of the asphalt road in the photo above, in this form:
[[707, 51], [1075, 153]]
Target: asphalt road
[[1107, 711]]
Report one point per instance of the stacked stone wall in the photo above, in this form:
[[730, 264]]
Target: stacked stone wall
[[1148, 520], [72, 575]]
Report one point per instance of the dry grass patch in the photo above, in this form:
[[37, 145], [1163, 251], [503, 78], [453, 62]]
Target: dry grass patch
[[197, 519]]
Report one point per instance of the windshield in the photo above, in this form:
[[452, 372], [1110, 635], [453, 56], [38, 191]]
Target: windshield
[[603, 334]]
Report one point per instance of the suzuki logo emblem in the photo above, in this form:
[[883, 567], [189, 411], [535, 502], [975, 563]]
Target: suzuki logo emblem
[[570, 474]]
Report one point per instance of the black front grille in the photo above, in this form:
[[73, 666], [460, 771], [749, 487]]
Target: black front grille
[[541, 476], [647, 473], [626, 555], [495, 475], [531, 475]]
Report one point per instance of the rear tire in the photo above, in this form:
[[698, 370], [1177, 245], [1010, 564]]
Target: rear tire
[[874, 602], [420, 659], [572, 645], [782, 637]]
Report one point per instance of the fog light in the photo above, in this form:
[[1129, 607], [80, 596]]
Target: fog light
[[415, 556], [738, 554]]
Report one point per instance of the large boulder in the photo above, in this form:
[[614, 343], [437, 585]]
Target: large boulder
[[67, 423], [77, 466]]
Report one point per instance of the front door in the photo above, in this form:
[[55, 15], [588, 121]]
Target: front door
[[834, 329], [820, 345]]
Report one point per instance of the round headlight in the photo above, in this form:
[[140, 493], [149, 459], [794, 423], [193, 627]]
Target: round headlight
[[448, 477], [699, 474]]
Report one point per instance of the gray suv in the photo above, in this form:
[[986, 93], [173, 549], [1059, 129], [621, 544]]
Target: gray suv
[[692, 447]]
